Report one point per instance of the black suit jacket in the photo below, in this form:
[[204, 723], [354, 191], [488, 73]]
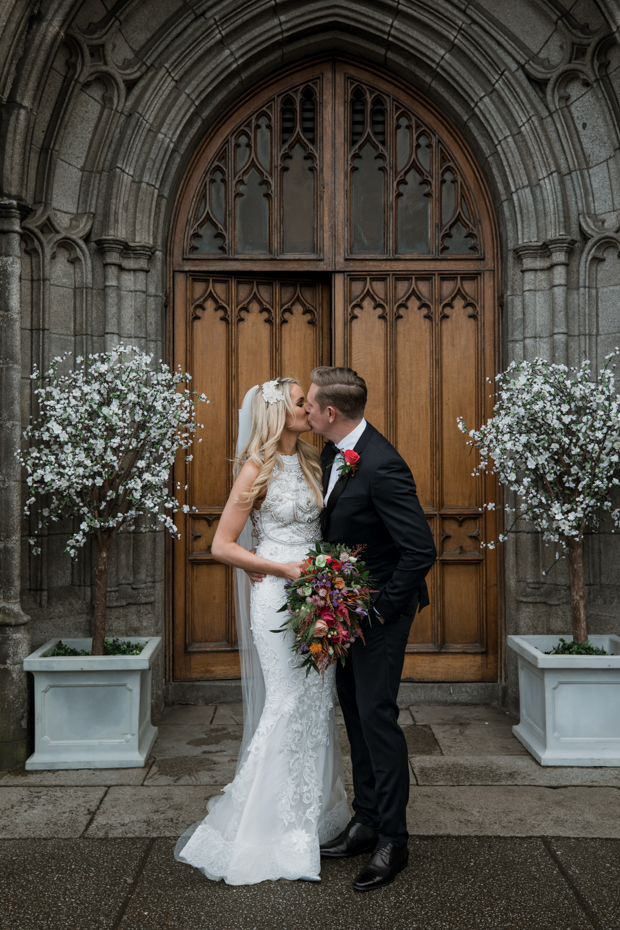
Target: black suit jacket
[[377, 507]]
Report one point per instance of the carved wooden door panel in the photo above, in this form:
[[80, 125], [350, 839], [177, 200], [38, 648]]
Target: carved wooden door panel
[[336, 217], [237, 332], [419, 340]]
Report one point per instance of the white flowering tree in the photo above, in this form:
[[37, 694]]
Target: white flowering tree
[[101, 450], [554, 439]]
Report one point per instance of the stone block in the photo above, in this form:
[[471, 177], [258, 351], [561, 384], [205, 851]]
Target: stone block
[[440, 714], [62, 309], [452, 692], [531, 24], [82, 123], [49, 94], [513, 811], [142, 22], [601, 188], [67, 179], [46, 812], [591, 122], [485, 738], [74, 778], [207, 768], [187, 715], [608, 270], [228, 714], [149, 811], [506, 770], [609, 310], [421, 741], [177, 739]]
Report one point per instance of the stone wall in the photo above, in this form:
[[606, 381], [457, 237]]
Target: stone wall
[[103, 104]]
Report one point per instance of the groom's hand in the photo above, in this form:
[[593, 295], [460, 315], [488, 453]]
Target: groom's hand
[[255, 577]]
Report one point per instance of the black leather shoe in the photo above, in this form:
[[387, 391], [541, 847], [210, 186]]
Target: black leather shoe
[[354, 839], [382, 867]]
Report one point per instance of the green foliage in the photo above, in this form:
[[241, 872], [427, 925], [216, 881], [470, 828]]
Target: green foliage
[[111, 647], [565, 648]]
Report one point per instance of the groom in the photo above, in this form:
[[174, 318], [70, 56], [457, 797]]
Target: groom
[[373, 504]]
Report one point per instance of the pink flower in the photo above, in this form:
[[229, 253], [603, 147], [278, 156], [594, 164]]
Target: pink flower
[[320, 628]]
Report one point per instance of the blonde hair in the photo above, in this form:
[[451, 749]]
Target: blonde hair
[[268, 422]]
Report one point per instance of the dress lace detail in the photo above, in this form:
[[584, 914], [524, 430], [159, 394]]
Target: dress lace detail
[[288, 796]]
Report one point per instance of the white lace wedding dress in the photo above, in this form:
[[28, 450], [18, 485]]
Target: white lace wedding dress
[[288, 796]]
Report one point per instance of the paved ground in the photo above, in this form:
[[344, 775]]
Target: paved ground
[[497, 841]]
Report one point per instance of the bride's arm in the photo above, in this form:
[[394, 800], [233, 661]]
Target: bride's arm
[[224, 547]]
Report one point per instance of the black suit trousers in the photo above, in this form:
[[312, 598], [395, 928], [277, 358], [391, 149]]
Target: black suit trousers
[[368, 689]]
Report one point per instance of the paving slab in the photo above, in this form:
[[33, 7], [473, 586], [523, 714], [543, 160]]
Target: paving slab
[[451, 884], [512, 811], [190, 714], [47, 812], [56, 884], [454, 714], [75, 777], [593, 866], [183, 740], [215, 768], [150, 811], [227, 714], [479, 737], [506, 770], [421, 741]]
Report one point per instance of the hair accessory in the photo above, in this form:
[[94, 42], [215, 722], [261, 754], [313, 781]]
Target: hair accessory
[[272, 392]]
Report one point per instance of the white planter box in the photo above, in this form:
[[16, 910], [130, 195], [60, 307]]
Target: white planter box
[[92, 712], [570, 705]]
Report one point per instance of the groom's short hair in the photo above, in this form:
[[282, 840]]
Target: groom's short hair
[[341, 388]]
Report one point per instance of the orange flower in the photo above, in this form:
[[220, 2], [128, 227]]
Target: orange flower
[[315, 648], [339, 583]]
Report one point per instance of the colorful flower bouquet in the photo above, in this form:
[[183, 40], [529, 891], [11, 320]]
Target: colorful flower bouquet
[[326, 605]]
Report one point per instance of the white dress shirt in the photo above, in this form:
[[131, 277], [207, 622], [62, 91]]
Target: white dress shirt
[[347, 443]]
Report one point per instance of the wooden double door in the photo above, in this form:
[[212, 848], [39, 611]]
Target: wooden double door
[[335, 217]]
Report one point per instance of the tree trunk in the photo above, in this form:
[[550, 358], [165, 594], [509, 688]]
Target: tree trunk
[[577, 589], [101, 596]]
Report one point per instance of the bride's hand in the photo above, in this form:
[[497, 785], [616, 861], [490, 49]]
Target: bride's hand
[[291, 569]]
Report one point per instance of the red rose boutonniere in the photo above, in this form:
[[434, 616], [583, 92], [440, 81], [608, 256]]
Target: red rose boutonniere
[[350, 464]]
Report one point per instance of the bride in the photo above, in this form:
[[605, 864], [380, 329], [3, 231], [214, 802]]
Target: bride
[[287, 796]]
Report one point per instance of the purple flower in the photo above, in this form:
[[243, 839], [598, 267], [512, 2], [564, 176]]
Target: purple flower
[[303, 648]]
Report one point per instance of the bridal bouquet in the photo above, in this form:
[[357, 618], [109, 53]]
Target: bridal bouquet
[[326, 604]]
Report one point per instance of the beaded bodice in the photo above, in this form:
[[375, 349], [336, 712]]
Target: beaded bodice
[[289, 515]]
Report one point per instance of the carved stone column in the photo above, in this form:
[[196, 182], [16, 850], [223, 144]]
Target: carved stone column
[[125, 306], [14, 633], [544, 266]]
